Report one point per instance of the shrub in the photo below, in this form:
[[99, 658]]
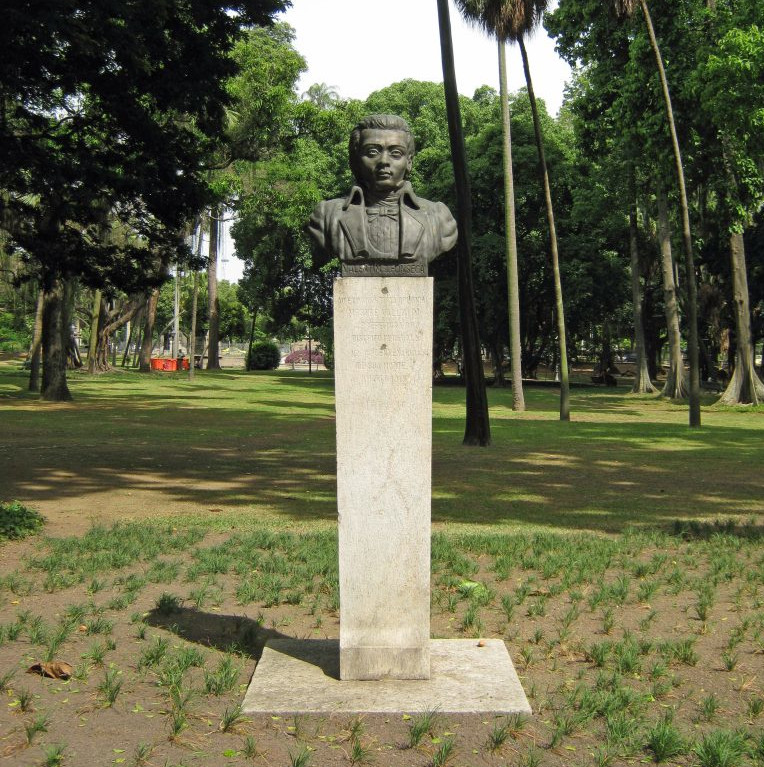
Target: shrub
[[263, 356], [17, 521]]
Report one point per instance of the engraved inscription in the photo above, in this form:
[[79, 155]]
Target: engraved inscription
[[417, 269]]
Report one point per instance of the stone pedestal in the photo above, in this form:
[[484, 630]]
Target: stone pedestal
[[383, 392]]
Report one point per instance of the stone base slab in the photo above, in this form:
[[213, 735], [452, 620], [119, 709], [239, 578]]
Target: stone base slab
[[302, 676]]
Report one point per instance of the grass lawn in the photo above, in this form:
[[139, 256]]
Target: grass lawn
[[619, 556]]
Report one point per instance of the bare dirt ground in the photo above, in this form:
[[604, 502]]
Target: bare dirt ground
[[143, 656]]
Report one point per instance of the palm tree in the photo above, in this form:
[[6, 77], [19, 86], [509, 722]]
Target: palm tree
[[477, 429], [512, 20], [510, 233], [322, 95], [627, 7]]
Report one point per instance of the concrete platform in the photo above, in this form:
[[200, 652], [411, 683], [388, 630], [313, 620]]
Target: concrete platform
[[302, 676]]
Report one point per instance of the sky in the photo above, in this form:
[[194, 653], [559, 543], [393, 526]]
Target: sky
[[360, 46]]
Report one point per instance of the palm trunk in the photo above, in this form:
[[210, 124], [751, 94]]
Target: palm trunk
[[36, 348], [513, 285], [477, 429], [689, 263], [147, 343], [213, 360], [676, 380], [642, 382], [745, 387], [55, 340], [563, 347]]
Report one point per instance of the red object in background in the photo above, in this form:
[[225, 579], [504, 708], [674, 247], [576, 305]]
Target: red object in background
[[169, 364]]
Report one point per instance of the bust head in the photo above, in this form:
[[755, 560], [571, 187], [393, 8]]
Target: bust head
[[381, 151]]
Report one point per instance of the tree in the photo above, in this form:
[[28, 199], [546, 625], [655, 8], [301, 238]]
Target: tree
[[675, 386], [322, 95], [108, 109], [477, 427], [513, 284], [642, 382], [628, 7], [213, 328], [732, 95], [512, 20], [478, 11]]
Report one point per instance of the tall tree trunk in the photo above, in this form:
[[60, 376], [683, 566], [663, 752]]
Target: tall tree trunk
[[95, 316], [55, 340], [510, 230], [689, 262], [147, 343], [642, 382], [251, 335], [130, 334], [110, 322], [213, 359], [559, 306], [676, 379], [745, 387], [477, 429], [35, 351], [192, 337], [496, 348]]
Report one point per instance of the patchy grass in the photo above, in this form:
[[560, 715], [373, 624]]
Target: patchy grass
[[654, 691], [620, 557]]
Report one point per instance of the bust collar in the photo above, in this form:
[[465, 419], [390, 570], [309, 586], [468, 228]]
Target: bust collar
[[408, 196]]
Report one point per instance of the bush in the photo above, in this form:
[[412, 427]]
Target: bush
[[263, 356], [17, 521]]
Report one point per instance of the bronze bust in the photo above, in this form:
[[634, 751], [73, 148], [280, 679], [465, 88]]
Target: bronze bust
[[382, 229]]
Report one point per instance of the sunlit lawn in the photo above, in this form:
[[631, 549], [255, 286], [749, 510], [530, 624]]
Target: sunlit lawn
[[263, 445]]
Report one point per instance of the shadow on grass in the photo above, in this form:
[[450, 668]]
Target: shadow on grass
[[220, 632], [265, 443], [235, 633]]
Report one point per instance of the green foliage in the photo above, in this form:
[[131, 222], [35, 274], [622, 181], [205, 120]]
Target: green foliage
[[664, 740], [720, 748], [13, 338], [264, 355], [145, 104], [234, 315], [18, 521]]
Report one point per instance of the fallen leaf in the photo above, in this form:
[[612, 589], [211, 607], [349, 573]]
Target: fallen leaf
[[54, 669]]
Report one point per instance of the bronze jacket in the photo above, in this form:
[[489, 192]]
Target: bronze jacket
[[340, 227]]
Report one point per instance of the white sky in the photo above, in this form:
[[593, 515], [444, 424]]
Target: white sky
[[360, 46], [339, 40]]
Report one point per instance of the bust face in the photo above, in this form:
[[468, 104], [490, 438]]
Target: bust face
[[383, 160]]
